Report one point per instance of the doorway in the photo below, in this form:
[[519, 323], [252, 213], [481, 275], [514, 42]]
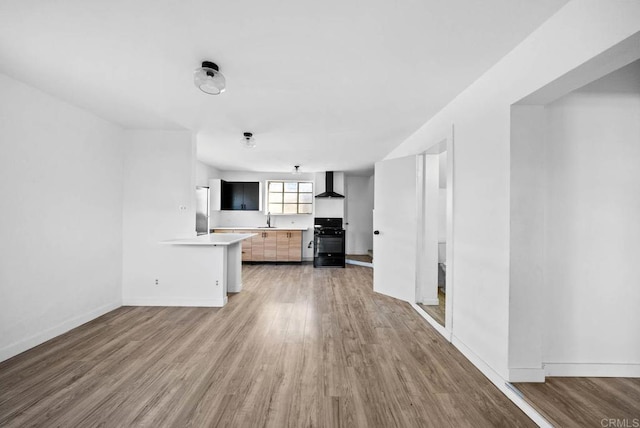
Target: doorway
[[405, 232], [574, 231], [434, 285], [359, 219]]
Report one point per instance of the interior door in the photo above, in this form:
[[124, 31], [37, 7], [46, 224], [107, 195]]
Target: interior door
[[396, 227]]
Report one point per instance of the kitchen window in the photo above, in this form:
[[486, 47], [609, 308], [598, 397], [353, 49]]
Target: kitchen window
[[290, 197]]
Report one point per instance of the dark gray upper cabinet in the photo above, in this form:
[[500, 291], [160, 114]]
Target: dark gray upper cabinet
[[240, 195]]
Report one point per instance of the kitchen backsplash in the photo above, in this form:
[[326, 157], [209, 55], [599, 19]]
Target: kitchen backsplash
[[258, 218]]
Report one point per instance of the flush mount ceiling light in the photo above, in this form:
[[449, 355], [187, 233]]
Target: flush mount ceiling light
[[296, 170], [248, 140], [209, 79]]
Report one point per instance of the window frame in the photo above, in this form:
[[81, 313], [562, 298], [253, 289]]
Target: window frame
[[298, 193]]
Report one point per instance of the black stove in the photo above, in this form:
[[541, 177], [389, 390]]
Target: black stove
[[336, 231], [328, 242]]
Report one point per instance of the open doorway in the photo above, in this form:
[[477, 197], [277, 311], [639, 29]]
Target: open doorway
[[432, 296], [574, 243], [359, 219], [437, 310]]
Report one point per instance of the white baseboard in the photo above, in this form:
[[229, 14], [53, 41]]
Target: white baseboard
[[174, 301], [430, 302], [591, 370], [37, 339], [358, 263], [526, 375], [505, 387]]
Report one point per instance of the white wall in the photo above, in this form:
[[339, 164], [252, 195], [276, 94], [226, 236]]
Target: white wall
[[159, 200], [359, 214], [526, 268], [442, 168], [329, 207], [592, 240], [579, 32], [204, 173], [61, 228], [442, 198], [442, 217]]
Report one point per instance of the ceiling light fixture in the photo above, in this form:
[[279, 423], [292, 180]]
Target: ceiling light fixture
[[248, 140], [296, 170], [209, 79]]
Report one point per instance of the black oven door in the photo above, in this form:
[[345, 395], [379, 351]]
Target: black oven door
[[327, 245]]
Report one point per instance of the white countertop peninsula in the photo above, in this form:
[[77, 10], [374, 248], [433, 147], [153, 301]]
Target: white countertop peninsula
[[269, 244], [258, 228], [210, 266], [224, 239]]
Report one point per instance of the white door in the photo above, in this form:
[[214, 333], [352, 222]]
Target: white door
[[396, 227]]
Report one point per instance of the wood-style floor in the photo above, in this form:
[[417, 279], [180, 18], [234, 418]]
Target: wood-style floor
[[297, 347], [579, 402], [360, 257], [437, 312]]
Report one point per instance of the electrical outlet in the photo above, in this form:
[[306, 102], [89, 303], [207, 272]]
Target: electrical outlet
[[157, 281]]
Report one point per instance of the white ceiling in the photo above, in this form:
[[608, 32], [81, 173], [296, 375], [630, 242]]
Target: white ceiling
[[331, 85]]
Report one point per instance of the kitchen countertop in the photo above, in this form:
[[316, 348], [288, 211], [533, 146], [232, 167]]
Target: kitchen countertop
[[212, 239], [258, 227]]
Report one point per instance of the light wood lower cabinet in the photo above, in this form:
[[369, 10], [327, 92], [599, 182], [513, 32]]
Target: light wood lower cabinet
[[270, 245], [247, 249], [289, 245]]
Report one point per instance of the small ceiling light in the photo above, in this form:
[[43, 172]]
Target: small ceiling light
[[248, 140], [296, 170], [209, 79]]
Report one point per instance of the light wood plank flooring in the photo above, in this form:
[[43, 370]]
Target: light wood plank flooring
[[437, 312], [360, 257], [572, 402], [297, 347]]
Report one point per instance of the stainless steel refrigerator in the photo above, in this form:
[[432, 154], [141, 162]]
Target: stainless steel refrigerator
[[202, 210]]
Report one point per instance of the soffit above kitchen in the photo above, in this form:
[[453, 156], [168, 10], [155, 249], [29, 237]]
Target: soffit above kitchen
[[332, 85]]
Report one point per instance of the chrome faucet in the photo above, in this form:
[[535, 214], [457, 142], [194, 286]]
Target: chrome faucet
[[269, 219]]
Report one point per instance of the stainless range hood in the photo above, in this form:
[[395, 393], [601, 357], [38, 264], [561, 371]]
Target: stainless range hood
[[328, 189]]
